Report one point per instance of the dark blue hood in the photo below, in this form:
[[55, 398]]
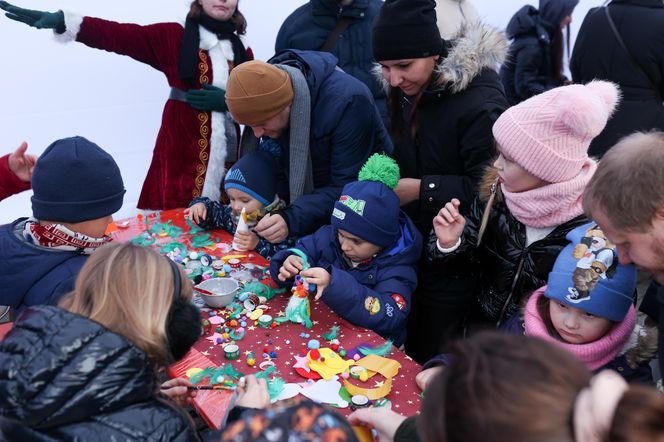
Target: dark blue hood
[[331, 7], [554, 11], [316, 66]]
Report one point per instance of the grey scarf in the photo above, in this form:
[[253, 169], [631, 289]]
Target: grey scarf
[[301, 179]]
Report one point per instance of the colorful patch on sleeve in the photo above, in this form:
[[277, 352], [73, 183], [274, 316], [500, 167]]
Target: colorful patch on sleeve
[[398, 299], [372, 305]]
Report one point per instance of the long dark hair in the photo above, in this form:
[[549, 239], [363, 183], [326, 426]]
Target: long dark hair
[[237, 18], [556, 52]]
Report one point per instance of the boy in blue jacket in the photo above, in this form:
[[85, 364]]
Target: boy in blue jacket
[[250, 185], [365, 264]]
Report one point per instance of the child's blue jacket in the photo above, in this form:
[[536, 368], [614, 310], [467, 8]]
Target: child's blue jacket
[[376, 294]]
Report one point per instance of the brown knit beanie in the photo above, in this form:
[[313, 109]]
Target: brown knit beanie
[[257, 91]]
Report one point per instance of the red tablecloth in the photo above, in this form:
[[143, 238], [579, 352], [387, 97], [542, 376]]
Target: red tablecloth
[[212, 405]]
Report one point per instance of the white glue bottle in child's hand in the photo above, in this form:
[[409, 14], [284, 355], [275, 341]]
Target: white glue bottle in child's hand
[[241, 227]]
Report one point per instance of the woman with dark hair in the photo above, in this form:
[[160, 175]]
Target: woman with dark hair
[[197, 135], [444, 97], [535, 60]]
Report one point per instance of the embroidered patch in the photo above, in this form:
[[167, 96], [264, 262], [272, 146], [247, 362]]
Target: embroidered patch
[[338, 214], [236, 175], [356, 206], [398, 299], [389, 310], [372, 305], [596, 259]]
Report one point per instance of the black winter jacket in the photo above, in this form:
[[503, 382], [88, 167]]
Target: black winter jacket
[[597, 54], [506, 268], [528, 69], [453, 143], [66, 377]]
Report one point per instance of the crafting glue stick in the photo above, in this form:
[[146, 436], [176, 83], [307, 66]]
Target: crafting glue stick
[[241, 227]]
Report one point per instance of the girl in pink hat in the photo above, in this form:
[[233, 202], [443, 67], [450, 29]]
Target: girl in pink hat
[[531, 198]]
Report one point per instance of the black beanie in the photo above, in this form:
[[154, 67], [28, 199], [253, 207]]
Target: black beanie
[[256, 175], [75, 180], [406, 29]]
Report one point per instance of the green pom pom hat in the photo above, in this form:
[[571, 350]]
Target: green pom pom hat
[[369, 208]]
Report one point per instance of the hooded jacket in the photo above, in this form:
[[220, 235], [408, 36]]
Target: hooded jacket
[[507, 269], [33, 275], [309, 26], [597, 54], [528, 69], [345, 130], [66, 377], [376, 294]]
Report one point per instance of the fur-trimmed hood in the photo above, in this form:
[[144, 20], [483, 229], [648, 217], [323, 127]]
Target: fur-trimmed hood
[[475, 47]]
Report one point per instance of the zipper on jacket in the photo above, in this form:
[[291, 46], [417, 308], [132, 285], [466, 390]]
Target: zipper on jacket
[[519, 268]]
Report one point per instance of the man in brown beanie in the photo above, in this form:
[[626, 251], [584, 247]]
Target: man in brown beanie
[[321, 123]]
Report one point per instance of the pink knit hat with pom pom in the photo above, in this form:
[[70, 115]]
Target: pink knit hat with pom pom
[[549, 134]]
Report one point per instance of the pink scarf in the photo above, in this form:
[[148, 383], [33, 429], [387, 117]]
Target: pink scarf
[[553, 204], [57, 236], [593, 354]]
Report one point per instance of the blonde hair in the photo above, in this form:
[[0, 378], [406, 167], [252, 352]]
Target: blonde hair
[[129, 290], [628, 186]]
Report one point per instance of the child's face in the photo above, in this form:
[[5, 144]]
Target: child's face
[[515, 178], [240, 199], [576, 326], [355, 248], [221, 10]]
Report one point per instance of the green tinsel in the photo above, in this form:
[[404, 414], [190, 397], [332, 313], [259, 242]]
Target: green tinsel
[[167, 248], [194, 228], [381, 168], [227, 371], [262, 291], [382, 350], [332, 334], [205, 374], [143, 240]]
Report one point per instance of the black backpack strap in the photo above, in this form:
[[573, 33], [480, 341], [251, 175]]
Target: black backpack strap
[[342, 25], [635, 63]]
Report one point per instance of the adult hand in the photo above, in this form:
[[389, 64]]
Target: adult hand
[[197, 213], [424, 377], [21, 164], [36, 19], [209, 98], [273, 228], [386, 422], [245, 240], [449, 224], [291, 267], [254, 394], [177, 390], [318, 276], [408, 190]]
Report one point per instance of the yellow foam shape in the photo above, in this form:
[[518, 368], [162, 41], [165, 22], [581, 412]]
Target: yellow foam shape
[[333, 364], [192, 371], [256, 314]]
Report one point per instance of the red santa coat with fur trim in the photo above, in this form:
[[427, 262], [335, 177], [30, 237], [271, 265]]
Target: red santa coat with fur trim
[[192, 147]]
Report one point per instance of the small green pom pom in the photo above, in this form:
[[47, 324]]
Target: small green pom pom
[[381, 168]]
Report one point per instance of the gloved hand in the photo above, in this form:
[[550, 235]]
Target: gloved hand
[[210, 98], [36, 19]]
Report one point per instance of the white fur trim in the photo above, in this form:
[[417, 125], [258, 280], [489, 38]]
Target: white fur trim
[[220, 52], [73, 23]]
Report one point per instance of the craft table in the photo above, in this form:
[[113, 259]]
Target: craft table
[[286, 338]]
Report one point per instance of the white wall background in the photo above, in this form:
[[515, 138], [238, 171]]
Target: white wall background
[[50, 91]]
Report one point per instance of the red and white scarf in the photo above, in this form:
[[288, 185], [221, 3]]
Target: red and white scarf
[[57, 236]]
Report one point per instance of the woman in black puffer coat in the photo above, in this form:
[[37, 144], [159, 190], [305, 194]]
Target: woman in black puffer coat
[[87, 370]]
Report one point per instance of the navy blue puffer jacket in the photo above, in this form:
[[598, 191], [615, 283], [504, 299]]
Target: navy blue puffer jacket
[[66, 377]]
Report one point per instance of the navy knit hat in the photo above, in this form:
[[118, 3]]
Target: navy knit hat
[[75, 180], [256, 175], [406, 29], [587, 275], [369, 208]]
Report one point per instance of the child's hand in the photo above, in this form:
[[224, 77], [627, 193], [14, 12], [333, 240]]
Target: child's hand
[[254, 394], [246, 240], [318, 276], [197, 213], [291, 267], [449, 224], [176, 389], [424, 377], [383, 420]]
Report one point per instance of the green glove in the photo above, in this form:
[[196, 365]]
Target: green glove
[[36, 19], [210, 98]]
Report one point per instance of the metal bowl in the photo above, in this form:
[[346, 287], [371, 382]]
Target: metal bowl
[[224, 290]]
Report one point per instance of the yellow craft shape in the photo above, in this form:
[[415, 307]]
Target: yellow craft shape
[[256, 314], [386, 367], [329, 364], [192, 371], [227, 257]]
